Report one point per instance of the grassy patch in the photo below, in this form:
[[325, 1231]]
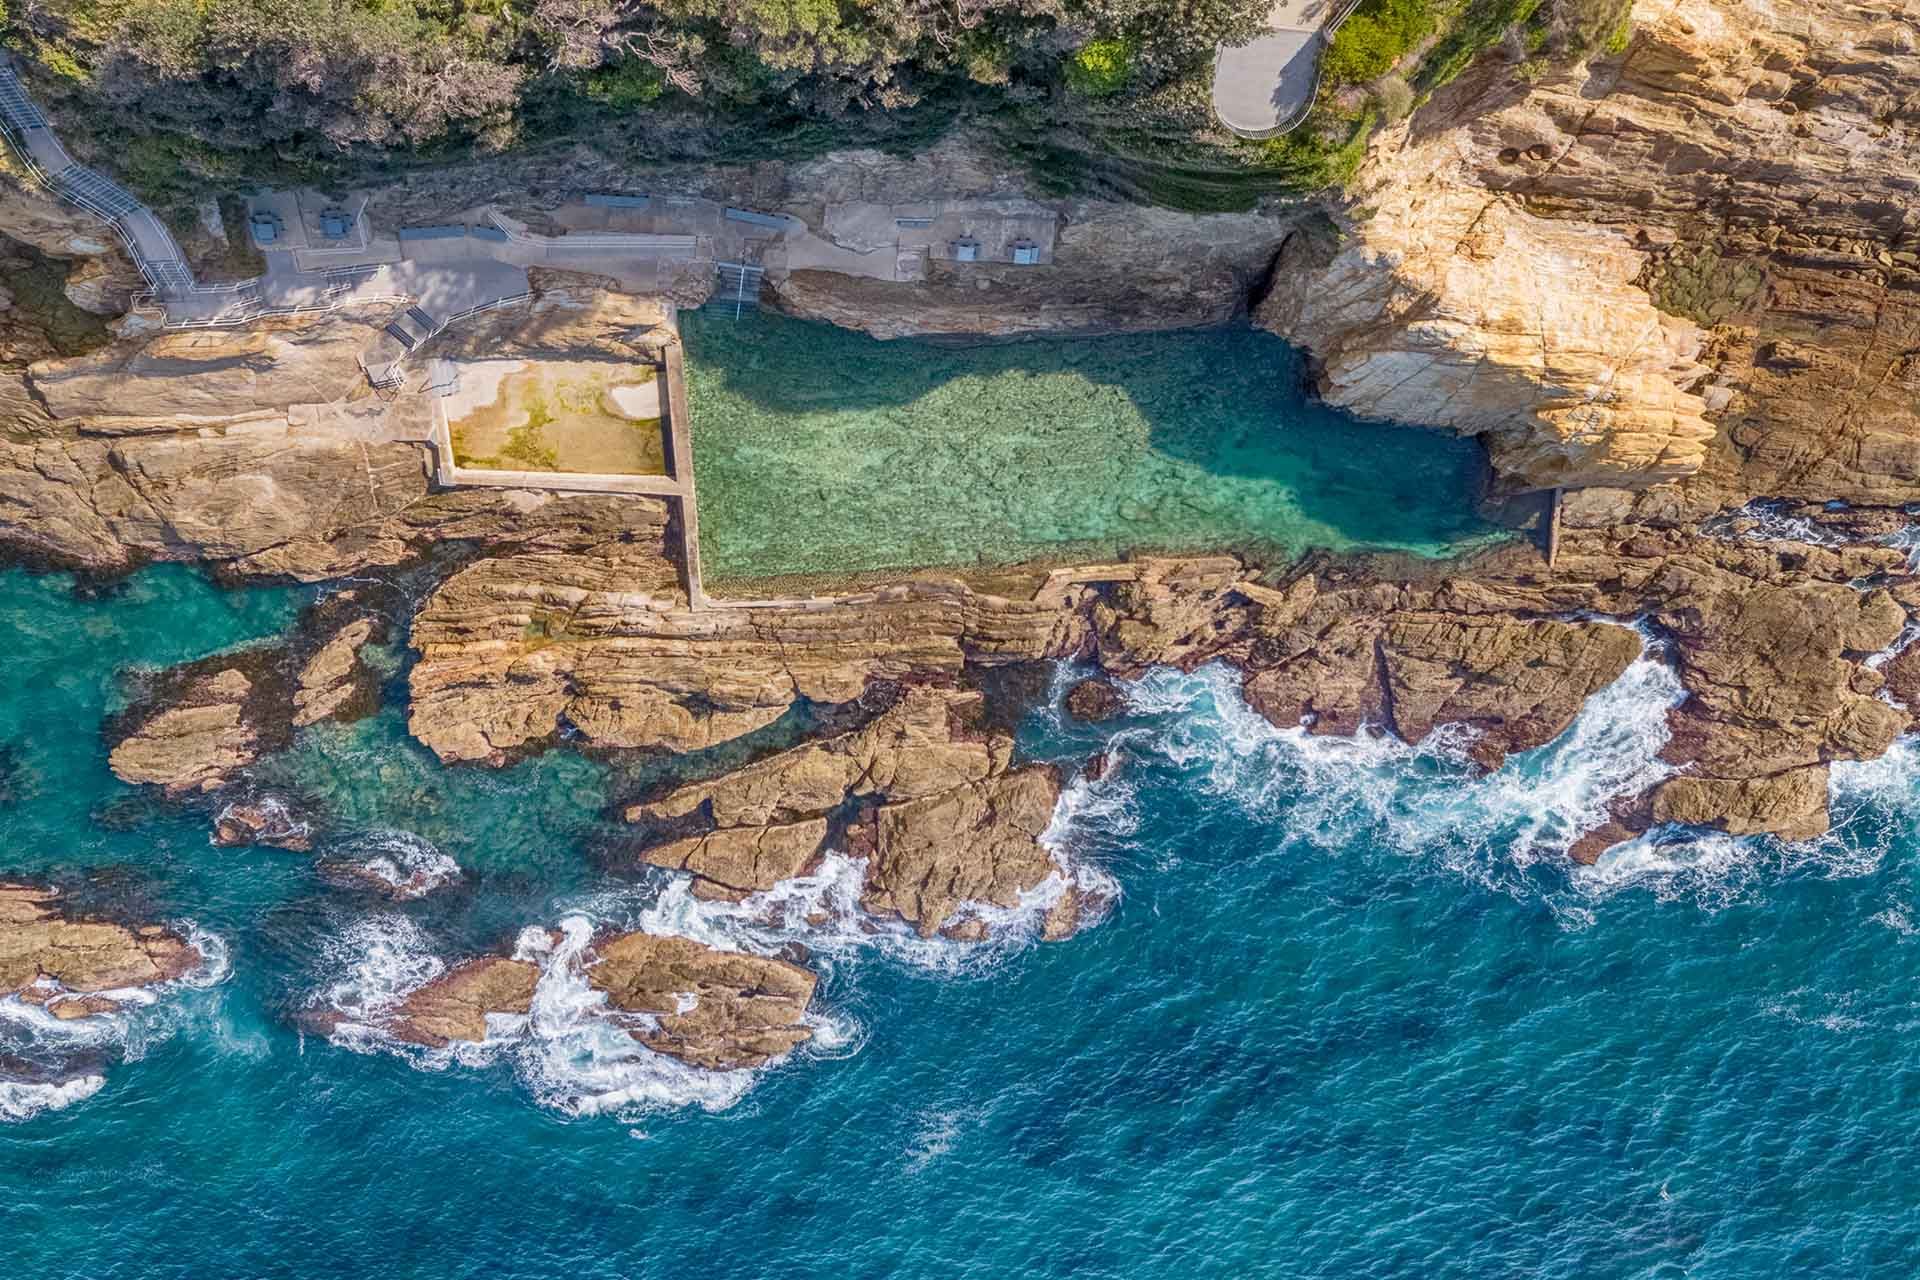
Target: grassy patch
[[1476, 27], [1374, 39]]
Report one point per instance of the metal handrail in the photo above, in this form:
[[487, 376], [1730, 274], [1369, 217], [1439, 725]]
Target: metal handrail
[[494, 305], [1324, 35]]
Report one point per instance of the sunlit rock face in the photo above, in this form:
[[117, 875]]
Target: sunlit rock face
[[1689, 260]]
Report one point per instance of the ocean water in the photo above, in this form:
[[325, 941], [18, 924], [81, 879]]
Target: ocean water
[[1353, 1015], [821, 451]]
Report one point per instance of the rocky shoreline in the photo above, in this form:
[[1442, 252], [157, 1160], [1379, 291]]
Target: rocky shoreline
[[1518, 261], [77, 967]]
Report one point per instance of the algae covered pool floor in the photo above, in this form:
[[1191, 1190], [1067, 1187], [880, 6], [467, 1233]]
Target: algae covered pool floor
[[580, 416], [820, 451]]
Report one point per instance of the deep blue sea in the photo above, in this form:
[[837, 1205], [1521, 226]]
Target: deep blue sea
[[1354, 1015]]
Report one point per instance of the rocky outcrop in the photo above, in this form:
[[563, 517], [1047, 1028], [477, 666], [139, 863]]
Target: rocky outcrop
[[721, 1010], [334, 681], [197, 726], [599, 639], [1454, 307], [103, 279], [1693, 259], [930, 858], [1769, 640], [206, 731], [1091, 701], [1517, 682], [64, 963], [921, 792], [262, 449], [261, 820], [171, 379], [258, 496], [455, 1005]]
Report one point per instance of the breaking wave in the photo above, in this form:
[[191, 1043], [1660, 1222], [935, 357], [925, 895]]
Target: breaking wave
[[398, 864], [25, 1099], [48, 1063], [1764, 520], [568, 1054], [1429, 800]]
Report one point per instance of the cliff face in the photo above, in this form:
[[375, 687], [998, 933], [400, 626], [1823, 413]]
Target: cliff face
[[1694, 259]]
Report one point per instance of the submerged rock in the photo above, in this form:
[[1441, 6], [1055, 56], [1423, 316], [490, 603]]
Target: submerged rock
[[197, 726], [1092, 701], [262, 820], [64, 963]]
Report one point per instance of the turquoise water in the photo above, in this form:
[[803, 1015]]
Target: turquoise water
[[823, 451], [1352, 1016]]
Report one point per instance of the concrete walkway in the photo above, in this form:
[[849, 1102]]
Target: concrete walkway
[[153, 249], [1265, 87]]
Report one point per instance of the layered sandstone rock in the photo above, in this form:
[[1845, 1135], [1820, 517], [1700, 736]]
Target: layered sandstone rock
[[334, 679], [203, 736], [600, 639], [1454, 307], [722, 1010], [930, 801], [1741, 167], [50, 958], [1770, 641], [455, 1005], [977, 843], [174, 378], [199, 725], [263, 450]]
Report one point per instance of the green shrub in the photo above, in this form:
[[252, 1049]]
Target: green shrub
[[1481, 24], [624, 85], [1393, 97], [1100, 67], [1377, 36], [1622, 35]]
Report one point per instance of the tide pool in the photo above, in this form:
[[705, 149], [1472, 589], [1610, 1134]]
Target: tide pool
[[1353, 1015], [823, 452]]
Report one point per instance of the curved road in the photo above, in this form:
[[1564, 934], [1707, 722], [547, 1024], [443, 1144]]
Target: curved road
[[1265, 87]]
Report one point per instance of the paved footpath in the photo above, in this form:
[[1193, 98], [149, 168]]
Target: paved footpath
[[1265, 87]]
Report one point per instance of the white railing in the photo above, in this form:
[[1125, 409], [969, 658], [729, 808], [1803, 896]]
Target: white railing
[[494, 305], [1322, 36]]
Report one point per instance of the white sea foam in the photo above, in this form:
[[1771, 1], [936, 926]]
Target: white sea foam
[[1425, 800], [1907, 540], [141, 1018], [570, 1051], [1871, 803], [1428, 801], [381, 959], [403, 865], [25, 1099], [1766, 521], [935, 1135]]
